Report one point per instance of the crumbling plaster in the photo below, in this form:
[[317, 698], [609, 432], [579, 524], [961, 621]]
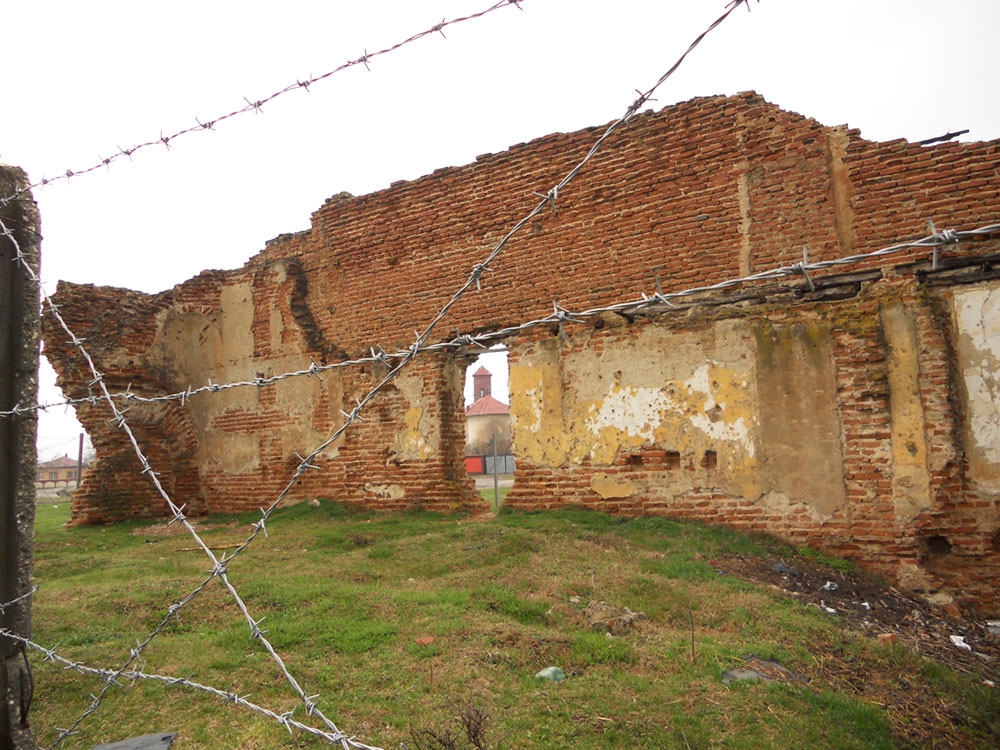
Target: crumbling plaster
[[744, 406]]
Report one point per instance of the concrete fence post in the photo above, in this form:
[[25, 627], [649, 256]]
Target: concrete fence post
[[19, 337]]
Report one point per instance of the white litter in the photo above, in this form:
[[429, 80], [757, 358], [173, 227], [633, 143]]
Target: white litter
[[959, 641]]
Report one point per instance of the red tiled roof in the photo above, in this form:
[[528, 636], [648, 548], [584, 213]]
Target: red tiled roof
[[482, 371], [487, 405], [64, 462]]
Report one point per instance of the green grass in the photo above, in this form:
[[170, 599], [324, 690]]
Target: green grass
[[494, 497], [397, 621], [836, 563]]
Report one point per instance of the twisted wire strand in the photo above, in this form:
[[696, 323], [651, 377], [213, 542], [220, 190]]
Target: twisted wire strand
[[22, 597], [256, 105], [286, 719], [644, 302], [218, 569]]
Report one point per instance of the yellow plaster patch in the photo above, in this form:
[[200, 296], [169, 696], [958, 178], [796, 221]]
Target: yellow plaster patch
[[413, 441], [703, 412], [236, 305], [910, 479], [691, 392], [608, 487], [724, 413], [277, 327], [234, 453], [420, 437], [537, 408]]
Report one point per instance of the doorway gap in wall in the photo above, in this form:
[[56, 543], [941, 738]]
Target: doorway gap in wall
[[489, 457]]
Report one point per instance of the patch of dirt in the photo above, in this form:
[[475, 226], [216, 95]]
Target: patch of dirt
[[524, 652], [604, 618], [920, 718]]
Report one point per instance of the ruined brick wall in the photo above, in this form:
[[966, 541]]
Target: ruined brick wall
[[838, 424], [856, 417]]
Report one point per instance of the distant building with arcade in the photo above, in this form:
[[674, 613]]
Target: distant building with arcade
[[59, 473]]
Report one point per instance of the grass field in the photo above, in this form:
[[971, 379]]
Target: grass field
[[402, 623]]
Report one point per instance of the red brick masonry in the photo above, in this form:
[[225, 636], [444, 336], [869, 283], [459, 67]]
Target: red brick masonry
[[699, 192]]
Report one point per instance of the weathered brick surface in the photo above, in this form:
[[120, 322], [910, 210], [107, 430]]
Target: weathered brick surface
[[700, 192]]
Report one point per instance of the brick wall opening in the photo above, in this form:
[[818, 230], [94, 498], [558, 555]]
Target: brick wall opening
[[489, 455], [937, 546]]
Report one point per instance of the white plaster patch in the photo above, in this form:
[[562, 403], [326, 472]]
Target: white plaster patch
[[389, 491], [534, 408], [630, 410], [639, 411], [735, 431], [699, 383], [977, 313]]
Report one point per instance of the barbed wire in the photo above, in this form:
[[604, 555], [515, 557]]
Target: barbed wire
[[658, 303], [406, 356], [219, 565], [560, 315], [218, 569], [286, 719], [663, 301], [22, 597], [547, 200], [257, 104]]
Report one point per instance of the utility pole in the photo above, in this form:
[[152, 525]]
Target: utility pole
[[496, 475], [79, 462], [19, 336]]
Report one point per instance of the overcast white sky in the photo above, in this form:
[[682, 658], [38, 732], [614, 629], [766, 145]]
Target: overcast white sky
[[83, 79]]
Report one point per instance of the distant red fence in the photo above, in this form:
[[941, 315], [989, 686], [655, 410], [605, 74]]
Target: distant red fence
[[484, 464]]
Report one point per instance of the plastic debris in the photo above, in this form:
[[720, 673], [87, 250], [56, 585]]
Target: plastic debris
[[959, 641], [554, 674], [828, 586], [993, 627], [146, 742]]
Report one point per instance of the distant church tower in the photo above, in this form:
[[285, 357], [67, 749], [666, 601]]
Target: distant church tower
[[481, 383], [486, 418]]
